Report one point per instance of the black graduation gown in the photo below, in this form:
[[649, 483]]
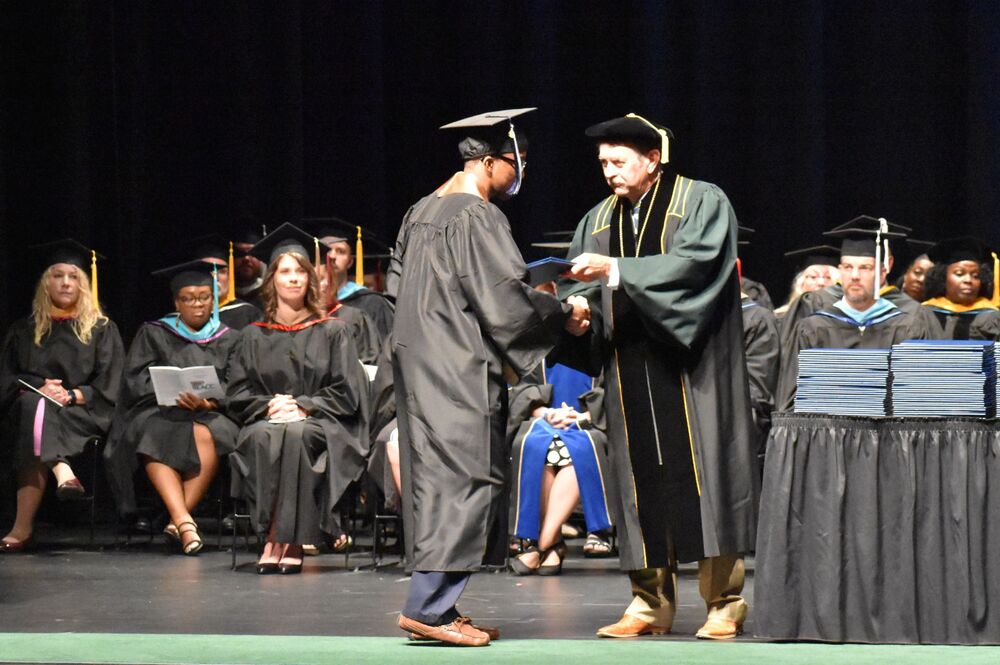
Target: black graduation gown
[[680, 434], [367, 340], [94, 369], [763, 354], [986, 326], [814, 301], [941, 324], [300, 468], [164, 433], [757, 292], [464, 315], [832, 329], [238, 314], [378, 308]]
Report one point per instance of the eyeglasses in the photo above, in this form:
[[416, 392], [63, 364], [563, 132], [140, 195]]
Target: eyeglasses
[[512, 162], [190, 300]]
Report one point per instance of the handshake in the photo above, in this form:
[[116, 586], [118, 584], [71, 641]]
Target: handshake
[[579, 320]]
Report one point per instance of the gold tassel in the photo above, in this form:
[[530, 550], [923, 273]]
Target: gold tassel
[[664, 139], [359, 261], [93, 278], [315, 252], [996, 280], [231, 290]]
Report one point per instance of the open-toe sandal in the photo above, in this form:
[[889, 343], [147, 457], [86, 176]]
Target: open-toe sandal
[[521, 568], [194, 545], [559, 549]]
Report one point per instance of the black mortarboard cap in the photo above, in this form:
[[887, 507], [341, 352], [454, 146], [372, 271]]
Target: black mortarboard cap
[[66, 250], [953, 250], [743, 234], [189, 273], [820, 255], [634, 129], [489, 133], [857, 237], [211, 245], [286, 238]]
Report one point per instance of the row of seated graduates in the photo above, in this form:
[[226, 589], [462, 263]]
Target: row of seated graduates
[[67, 381], [947, 291]]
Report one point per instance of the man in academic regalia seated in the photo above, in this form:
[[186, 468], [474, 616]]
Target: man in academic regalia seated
[[660, 258], [824, 298], [234, 312], [466, 323], [859, 320], [340, 261]]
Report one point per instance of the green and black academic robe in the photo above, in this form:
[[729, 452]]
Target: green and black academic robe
[[465, 319], [809, 303], [94, 368], [670, 339], [164, 433], [830, 328], [763, 354], [943, 319]]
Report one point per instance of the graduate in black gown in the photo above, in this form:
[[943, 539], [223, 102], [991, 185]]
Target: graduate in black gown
[[859, 320], [824, 298], [465, 320], [347, 288], [178, 445], [234, 312], [960, 289], [300, 393], [659, 259], [70, 356]]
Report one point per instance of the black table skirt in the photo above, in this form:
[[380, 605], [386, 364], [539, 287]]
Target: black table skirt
[[880, 530]]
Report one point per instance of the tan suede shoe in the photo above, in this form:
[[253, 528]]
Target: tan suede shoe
[[719, 629], [459, 632], [629, 626], [493, 633]]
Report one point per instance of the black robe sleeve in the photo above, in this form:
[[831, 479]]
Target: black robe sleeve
[[342, 394], [986, 327], [760, 344], [395, 269], [523, 324], [244, 403], [101, 393]]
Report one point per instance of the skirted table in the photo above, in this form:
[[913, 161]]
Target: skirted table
[[880, 530]]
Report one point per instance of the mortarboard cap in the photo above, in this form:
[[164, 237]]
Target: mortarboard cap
[[189, 273], [634, 129], [857, 237], [207, 246], [820, 255], [953, 250], [284, 239], [72, 252], [490, 133], [743, 234]]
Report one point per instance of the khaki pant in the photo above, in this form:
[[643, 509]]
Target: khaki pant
[[720, 582]]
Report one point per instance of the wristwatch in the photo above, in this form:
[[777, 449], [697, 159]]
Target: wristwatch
[[72, 398]]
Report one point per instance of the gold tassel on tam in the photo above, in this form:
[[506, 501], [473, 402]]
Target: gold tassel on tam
[[93, 277], [996, 280], [316, 252], [231, 290], [359, 261]]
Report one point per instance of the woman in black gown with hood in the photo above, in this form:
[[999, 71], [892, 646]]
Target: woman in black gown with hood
[[60, 372], [300, 392]]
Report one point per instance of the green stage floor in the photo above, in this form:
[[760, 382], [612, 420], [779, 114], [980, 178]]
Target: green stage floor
[[311, 650]]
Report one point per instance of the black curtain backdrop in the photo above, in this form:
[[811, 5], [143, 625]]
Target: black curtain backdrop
[[134, 125]]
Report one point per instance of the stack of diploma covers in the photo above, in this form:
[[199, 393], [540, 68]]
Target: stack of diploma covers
[[843, 382], [944, 378], [170, 382]]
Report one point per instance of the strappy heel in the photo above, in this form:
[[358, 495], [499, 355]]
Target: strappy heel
[[194, 545]]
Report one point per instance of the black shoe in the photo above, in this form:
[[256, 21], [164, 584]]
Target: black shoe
[[267, 568], [290, 568]]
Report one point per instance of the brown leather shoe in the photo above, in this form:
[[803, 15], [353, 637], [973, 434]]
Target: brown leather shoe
[[719, 629], [491, 632], [459, 632], [629, 626]]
